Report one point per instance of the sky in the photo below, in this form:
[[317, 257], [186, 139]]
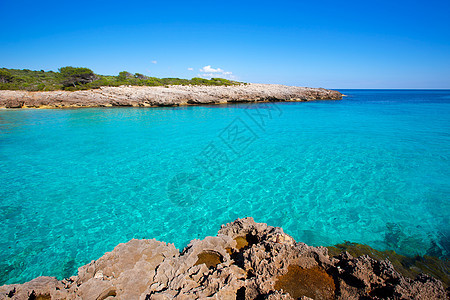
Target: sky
[[330, 44]]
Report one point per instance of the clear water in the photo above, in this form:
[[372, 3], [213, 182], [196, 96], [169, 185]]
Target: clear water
[[373, 168]]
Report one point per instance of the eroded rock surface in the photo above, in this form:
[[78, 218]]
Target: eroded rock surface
[[163, 96], [246, 260]]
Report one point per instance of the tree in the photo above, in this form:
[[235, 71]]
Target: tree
[[140, 76], [5, 76], [124, 75], [74, 76]]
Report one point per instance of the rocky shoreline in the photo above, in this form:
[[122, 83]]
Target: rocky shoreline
[[246, 260], [145, 96]]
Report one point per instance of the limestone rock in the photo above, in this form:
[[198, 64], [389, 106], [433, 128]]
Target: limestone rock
[[246, 260], [146, 96]]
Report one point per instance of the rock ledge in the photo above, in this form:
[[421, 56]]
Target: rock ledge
[[246, 260], [163, 96]]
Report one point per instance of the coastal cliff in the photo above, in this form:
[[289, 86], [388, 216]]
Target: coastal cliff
[[246, 260], [174, 95]]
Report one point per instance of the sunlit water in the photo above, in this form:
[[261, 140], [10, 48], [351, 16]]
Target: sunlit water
[[373, 168]]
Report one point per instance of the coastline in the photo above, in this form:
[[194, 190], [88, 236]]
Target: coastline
[[160, 96], [246, 260]]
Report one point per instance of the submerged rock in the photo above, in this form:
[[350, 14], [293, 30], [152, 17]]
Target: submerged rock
[[246, 260], [163, 96], [410, 267]]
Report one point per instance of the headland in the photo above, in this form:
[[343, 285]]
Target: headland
[[155, 96]]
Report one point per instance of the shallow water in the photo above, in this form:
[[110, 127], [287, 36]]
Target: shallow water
[[373, 168]]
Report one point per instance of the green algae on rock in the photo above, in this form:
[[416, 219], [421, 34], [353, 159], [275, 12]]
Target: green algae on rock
[[210, 258], [409, 267], [314, 283], [241, 242]]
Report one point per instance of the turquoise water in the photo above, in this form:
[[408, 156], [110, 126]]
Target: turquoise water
[[373, 168]]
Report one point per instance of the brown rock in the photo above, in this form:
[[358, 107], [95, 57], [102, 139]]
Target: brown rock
[[246, 260]]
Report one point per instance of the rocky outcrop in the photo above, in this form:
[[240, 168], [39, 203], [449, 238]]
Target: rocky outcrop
[[163, 96], [246, 260]]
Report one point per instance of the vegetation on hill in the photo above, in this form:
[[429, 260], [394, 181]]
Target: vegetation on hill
[[72, 79]]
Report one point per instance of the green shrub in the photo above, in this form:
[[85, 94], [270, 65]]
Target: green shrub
[[76, 76], [5, 76], [73, 79]]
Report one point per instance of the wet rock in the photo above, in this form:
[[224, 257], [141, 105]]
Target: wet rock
[[410, 267], [14, 103], [246, 260]]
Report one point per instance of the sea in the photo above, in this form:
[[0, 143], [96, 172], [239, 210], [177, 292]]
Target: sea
[[373, 168]]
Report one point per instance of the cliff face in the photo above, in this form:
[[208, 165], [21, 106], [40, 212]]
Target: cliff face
[[246, 260], [162, 96]]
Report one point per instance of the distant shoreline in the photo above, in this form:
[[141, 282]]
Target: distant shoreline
[[160, 96]]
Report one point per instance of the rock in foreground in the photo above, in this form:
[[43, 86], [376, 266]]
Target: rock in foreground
[[163, 96], [246, 260]]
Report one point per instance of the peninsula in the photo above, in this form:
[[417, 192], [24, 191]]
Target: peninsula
[[151, 96], [81, 87], [246, 260]]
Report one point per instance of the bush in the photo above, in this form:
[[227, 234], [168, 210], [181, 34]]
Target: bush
[[124, 75], [140, 76], [73, 79], [72, 76], [5, 76]]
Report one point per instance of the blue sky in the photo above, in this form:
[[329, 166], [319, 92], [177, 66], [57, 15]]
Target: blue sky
[[332, 44]]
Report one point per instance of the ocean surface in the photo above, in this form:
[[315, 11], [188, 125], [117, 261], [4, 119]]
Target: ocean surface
[[373, 168]]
